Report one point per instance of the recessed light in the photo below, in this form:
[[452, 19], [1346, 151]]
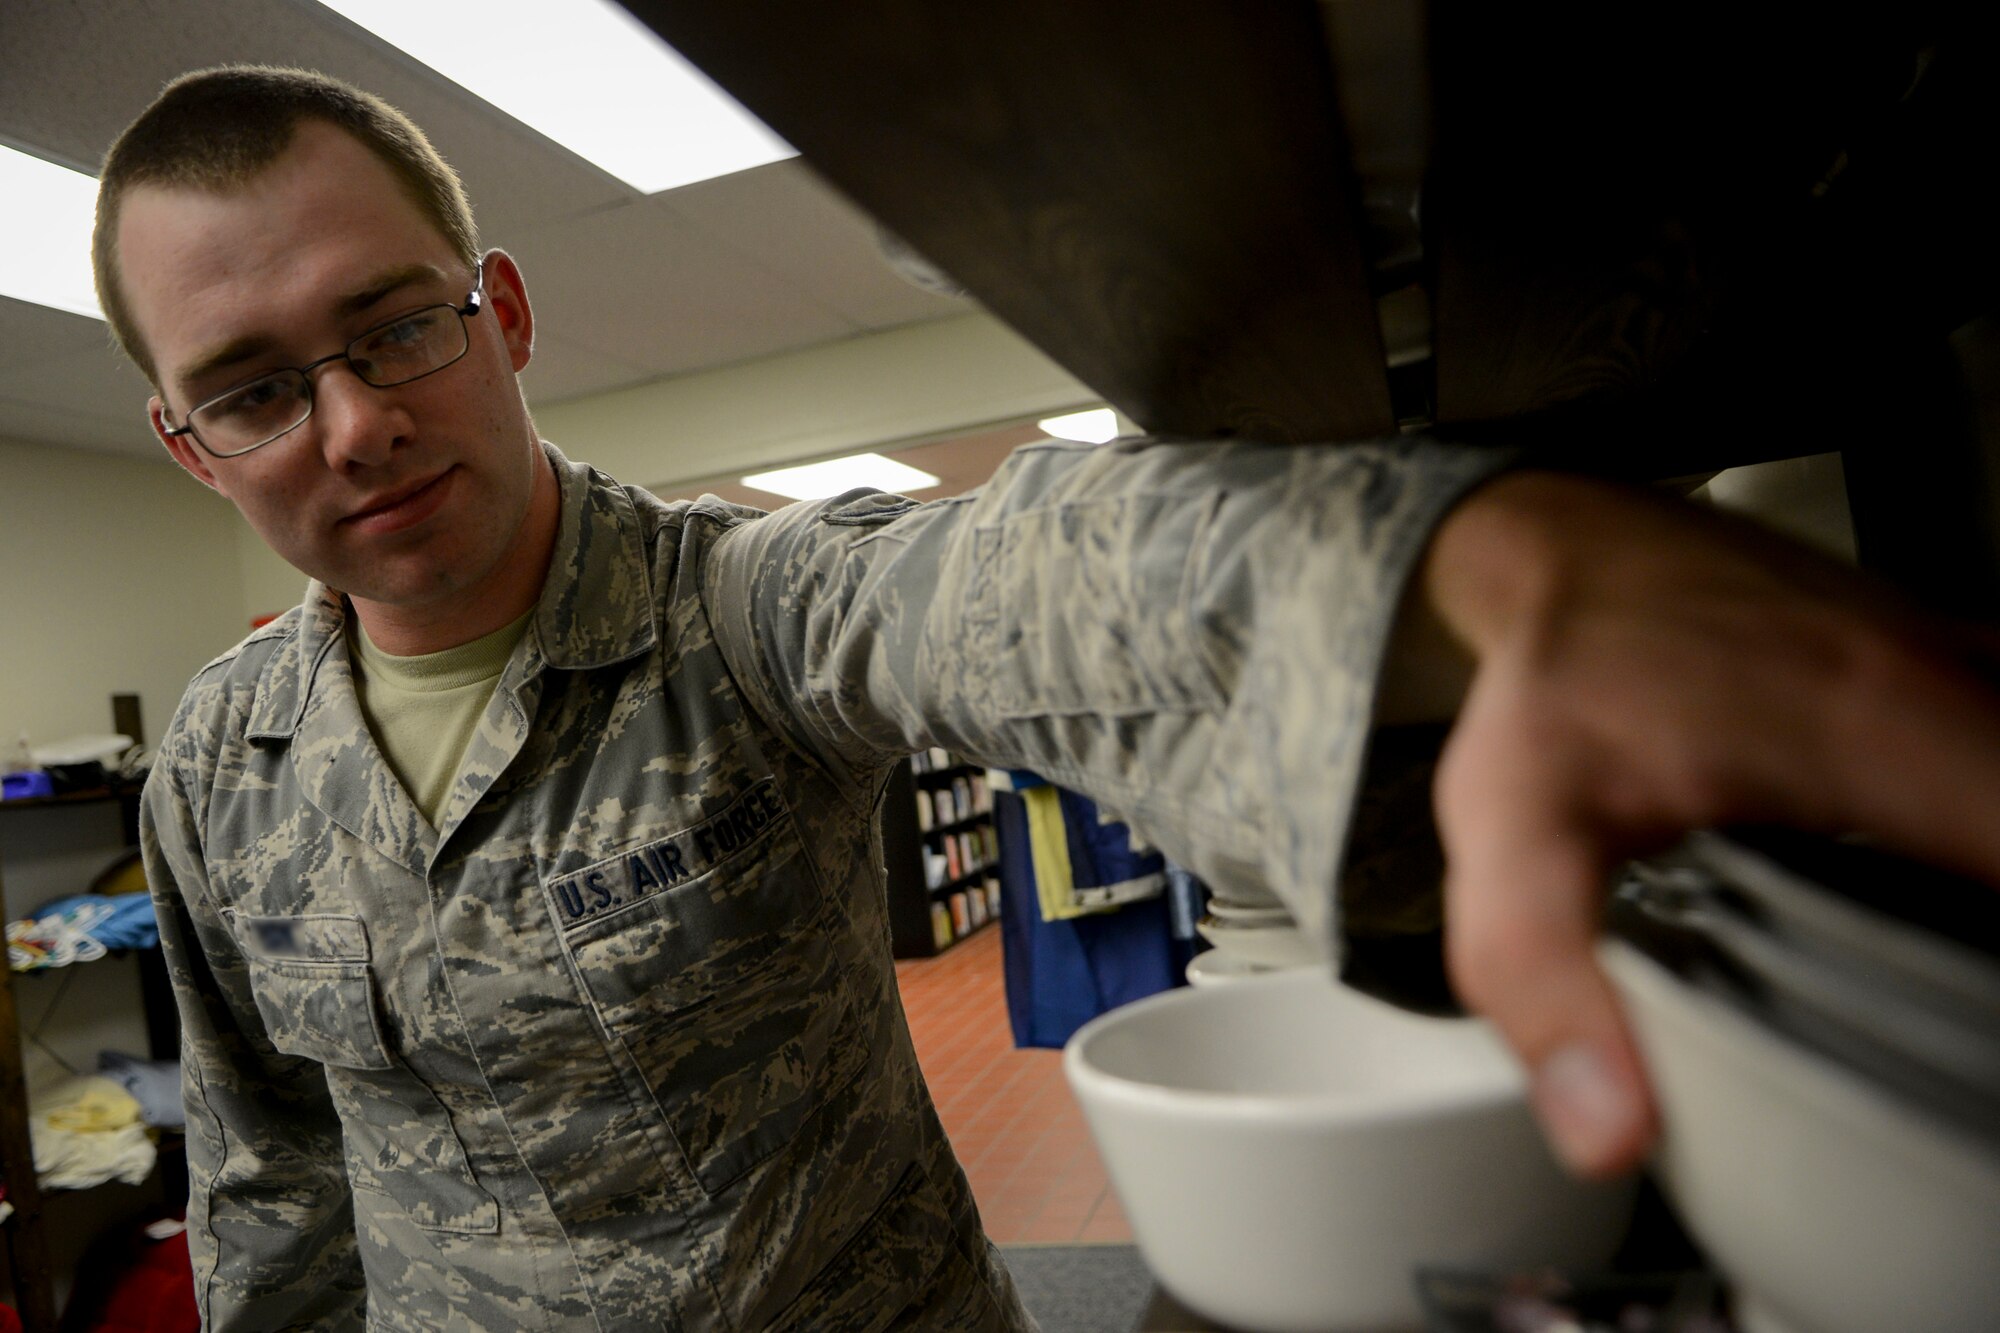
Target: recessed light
[[815, 481], [1092, 427], [586, 74], [45, 233]]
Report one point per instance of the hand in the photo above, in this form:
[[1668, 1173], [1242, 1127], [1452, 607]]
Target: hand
[[1643, 668]]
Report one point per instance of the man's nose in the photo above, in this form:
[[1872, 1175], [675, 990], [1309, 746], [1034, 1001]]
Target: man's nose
[[359, 425]]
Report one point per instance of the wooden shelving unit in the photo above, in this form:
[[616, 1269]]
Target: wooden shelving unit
[[943, 871], [24, 1236]]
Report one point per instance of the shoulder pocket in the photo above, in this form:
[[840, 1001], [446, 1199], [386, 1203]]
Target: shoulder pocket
[[867, 510]]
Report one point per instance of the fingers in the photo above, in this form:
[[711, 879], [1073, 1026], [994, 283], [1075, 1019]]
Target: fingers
[[1523, 897]]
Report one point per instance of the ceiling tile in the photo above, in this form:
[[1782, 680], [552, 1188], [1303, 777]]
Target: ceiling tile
[[38, 423], [61, 374], [637, 283], [788, 221]]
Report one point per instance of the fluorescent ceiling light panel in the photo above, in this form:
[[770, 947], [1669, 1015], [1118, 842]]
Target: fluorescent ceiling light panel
[[45, 233], [816, 481], [1092, 427], [586, 74]]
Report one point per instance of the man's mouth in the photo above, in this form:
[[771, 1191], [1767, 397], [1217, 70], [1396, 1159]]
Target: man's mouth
[[402, 508]]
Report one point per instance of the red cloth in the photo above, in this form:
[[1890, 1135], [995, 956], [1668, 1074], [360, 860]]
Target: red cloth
[[155, 1294]]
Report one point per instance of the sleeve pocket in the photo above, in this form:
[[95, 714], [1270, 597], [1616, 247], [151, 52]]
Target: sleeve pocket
[[1086, 608]]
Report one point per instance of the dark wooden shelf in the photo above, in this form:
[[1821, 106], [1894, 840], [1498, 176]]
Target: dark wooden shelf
[[960, 825], [91, 796], [969, 878]]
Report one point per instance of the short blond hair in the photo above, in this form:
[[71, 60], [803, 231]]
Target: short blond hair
[[215, 129]]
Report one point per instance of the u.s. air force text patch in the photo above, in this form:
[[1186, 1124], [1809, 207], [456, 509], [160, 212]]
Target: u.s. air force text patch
[[622, 880]]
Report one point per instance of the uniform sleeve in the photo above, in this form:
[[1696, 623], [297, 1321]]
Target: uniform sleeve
[[270, 1221], [1189, 634]]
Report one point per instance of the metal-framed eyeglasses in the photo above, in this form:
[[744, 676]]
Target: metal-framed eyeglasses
[[408, 347]]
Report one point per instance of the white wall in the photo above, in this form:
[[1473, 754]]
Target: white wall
[[117, 575], [270, 586]]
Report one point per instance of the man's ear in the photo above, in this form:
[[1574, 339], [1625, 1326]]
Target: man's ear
[[185, 451], [507, 295]]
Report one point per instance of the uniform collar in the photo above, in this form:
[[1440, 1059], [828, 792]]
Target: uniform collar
[[598, 603], [596, 606]]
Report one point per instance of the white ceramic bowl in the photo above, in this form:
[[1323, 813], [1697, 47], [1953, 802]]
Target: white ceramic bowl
[[1832, 1206], [1215, 968], [1289, 1152], [1248, 916], [1261, 944]]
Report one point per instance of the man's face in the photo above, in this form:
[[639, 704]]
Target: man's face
[[410, 496]]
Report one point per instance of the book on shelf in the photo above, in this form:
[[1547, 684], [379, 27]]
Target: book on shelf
[[934, 760], [925, 820], [961, 916], [940, 926]]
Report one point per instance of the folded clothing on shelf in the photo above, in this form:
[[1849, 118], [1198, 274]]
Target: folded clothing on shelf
[[87, 1131], [80, 928], [154, 1084]]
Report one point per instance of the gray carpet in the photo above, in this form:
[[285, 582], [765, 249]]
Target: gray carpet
[[1081, 1288]]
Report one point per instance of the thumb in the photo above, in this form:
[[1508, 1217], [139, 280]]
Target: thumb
[[1524, 895]]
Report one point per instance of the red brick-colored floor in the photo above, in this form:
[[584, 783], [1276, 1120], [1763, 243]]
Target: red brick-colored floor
[[1012, 1121]]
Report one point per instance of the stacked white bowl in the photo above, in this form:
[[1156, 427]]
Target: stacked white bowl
[[1822, 1027]]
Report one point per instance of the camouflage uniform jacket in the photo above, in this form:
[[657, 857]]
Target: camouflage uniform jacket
[[618, 1045]]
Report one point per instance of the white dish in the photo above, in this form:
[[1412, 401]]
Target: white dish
[[1290, 1151], [1272, 946], [1235, 914], [1215, 968], [1833, 1206]]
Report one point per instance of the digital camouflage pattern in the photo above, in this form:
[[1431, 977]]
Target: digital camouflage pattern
[[618, 1045]]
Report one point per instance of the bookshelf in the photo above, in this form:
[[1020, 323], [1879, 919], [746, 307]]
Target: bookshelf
[[943, 858]]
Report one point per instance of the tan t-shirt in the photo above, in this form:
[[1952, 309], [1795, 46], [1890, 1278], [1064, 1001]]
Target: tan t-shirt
[[423, 709]]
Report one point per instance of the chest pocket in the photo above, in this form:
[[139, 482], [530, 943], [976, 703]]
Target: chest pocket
[[718, 984], [309, 976]]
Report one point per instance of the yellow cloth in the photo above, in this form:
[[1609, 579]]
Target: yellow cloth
[[91, 1106], [86, 1131], [423, 709], [1048, 845]]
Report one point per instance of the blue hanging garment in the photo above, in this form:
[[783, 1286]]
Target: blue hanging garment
[[1061, 974]]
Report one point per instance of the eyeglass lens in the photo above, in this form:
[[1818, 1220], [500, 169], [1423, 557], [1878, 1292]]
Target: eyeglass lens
[[402, 350]]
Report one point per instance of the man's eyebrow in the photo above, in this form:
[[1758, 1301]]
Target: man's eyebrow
[[386, 284], [370, 293]]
